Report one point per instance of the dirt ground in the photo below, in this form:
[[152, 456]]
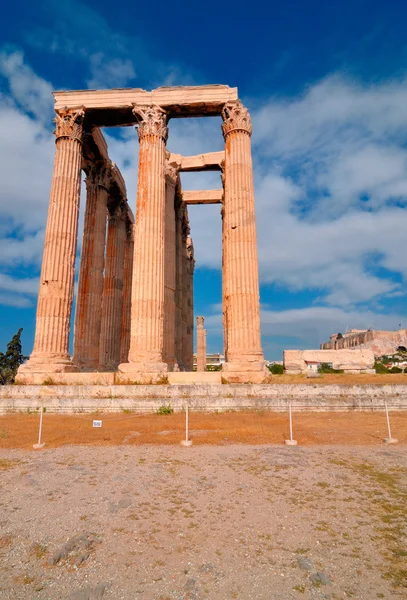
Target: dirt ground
[[261, 427], [161, 522], [341, 378]]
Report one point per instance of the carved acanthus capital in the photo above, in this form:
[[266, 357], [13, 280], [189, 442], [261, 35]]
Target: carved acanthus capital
[[69, 124], [236, 117], [152, 121], [100, 175], [200, 321]]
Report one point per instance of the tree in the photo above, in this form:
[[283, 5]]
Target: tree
[[276, 369], [11, 360]]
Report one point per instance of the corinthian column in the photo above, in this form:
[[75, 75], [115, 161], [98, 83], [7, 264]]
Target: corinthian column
[[189, 292], [241, 300], [90, 288], [169, 267], [51, 345], [112, 304], [179, 280], [128, 274], [147, 302], [200, 344]]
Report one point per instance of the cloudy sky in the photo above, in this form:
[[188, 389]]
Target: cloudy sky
[[326, 85]]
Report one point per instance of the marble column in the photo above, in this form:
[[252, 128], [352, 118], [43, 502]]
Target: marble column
[[179, 251], [200, 344], [90, 287], [147, 303], [184, 294], [189, 292], [51, 345], [128, 274], [112, 304], [241, 300], [169, 268]]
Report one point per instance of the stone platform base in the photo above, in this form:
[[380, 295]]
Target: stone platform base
[[202, 397], [115, 378]]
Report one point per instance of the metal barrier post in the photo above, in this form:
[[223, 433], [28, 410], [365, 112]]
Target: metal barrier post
[[388, 440], [290, 442]]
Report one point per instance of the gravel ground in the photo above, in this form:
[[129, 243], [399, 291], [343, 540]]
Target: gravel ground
[[161, 523]]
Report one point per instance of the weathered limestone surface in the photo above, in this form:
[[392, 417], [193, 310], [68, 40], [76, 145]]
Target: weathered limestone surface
[[202, 196], [55, 297], [211, 161], [241, 300], [200, 344], [147, 322], [90, 287], [112, 304], [114, 107], [295, 361], [201, 396]]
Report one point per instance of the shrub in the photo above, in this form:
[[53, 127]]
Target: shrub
[[396, 370], [276, 369], [165, 409], [380, 368], [326, 368]]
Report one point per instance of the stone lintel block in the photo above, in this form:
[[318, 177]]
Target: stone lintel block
[[114, 106], [203, 196], [210, 161]]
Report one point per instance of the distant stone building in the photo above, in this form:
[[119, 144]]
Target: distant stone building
[[380, 342]]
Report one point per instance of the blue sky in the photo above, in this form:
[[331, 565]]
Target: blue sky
[[326, 85]]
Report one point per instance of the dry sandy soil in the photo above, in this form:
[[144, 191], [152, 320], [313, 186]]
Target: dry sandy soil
[[121, 519]]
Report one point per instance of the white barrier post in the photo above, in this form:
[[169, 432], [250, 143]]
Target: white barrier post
[[388, 440], [39, 445], [290, 442], [187, 442]]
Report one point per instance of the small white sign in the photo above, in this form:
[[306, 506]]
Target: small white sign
[[97, 423]]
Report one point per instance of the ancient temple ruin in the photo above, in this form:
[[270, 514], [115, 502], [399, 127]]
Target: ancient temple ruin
[[134, 302]]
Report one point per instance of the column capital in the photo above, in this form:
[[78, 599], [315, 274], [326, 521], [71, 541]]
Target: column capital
[[99, 175], [236, 117], [152, 121], [200, 321], [69, 124]]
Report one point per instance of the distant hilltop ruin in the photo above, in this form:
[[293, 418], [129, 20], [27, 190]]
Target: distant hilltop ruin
[[380, 342]]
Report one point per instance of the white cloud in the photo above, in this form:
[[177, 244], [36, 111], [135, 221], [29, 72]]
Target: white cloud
[[109, 73], [32, 93]]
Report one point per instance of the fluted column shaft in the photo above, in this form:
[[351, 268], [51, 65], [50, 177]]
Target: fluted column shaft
[[90, 287], [169, 269], [179, 279], [184, 300], [112, 304], [200, 344], [147, 319], [189, 359], [126, 314], [240, 262], [51, 345]]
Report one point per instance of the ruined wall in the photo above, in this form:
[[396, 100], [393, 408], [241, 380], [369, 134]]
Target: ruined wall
[[355, 361], [380, 342]]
